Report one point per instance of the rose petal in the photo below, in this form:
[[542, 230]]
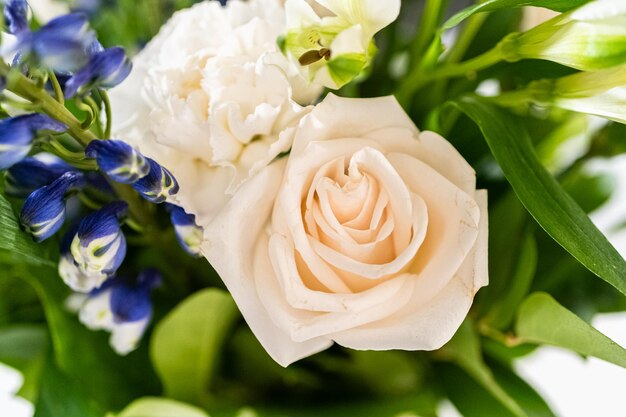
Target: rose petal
[[230, 243]]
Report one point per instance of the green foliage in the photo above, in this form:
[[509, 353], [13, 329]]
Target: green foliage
[[19, 244], [542, 320], [492, 5], [186, 344], [541, 194]]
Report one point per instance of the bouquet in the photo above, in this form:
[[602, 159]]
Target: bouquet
[[304, 208]]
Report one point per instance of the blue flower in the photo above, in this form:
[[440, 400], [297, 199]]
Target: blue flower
[[34, 172], [43, 212], [99, 246], [61, 45], [118, 160], [17, 134], [106, 68], [157, 185], [123, 308], [132, 302], [188, 233], [16, 16]]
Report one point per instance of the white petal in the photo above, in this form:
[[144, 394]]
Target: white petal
[[230, 244]]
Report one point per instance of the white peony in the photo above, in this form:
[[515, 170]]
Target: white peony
[[213, 100]]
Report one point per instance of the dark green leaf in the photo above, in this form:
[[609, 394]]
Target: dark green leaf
[[464, 351], [186, 344], [491, 5], [541, 194], [60, 395], [18, 243], [542, 320]]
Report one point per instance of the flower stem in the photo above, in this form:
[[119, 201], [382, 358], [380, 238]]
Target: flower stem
[[431, 17], [58, 91], [417, 79], [107, 109]]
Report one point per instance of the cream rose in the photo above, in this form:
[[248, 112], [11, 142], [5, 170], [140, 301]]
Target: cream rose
[[371, 235], [212, 99]]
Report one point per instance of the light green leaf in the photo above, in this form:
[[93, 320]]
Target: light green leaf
[[18, 243], [542, 320], [554, 210], [160, 407], [464, 351], [186, 344], [491, 5]]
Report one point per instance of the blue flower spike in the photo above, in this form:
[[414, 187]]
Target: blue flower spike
[[118, 160], [16, 16], [158, 185], [43, 212], [106, 69], [99, 246], [188, 233], [17, 135], [34, 172]]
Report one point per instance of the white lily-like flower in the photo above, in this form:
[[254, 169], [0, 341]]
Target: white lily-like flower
[[590, 38], [333, 50]]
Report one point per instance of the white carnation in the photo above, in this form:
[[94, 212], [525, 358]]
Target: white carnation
[[213, 100]]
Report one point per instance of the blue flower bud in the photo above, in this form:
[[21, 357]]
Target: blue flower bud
[[157, 185], [34, 172], [17, 134], [16, 16], [105, 69], [99, 246], [118, 160], [62, 44], [188, 233], [43, 212]]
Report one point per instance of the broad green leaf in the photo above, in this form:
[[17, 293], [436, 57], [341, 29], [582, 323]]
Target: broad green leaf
[[18, 243], [542, 320], [60, 395], [464, 351], [186, 344], [160, 407], [554, 210], [491, 5]]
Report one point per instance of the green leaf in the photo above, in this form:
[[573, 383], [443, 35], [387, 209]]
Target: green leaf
[[25, 348], [541, 320], [519, 281], [160, 407], [554, 210], [491, 5], [464, 351], [186, 344], [61, 395], [18, 243]]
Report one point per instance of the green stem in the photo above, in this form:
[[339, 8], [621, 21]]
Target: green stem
[[417, 80], [467, 35], [58, 91], [433, 12], [107, 109]]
